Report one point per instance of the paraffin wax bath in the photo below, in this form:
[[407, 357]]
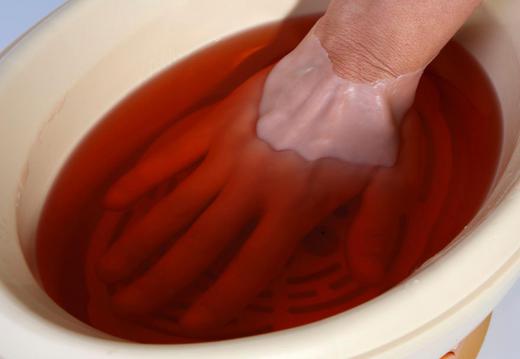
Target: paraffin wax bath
[[328, 270]]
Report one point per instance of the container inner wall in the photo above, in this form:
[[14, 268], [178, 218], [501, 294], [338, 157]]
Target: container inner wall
[[63, 108]]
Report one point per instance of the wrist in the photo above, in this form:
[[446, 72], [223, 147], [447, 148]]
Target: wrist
[[371, 40], [356, 58], [306, 107], [364, 52]]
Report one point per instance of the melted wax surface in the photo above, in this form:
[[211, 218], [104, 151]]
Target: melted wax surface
[[317, 282]]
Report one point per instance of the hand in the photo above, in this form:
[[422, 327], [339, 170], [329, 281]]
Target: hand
[[241, 188]]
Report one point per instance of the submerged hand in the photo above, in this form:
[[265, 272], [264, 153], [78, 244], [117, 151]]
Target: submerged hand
[[241, 188]]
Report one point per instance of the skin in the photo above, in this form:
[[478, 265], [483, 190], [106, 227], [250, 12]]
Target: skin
[[370, 40], [287, 196]]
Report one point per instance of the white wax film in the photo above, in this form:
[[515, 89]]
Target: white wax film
[[306, 107]]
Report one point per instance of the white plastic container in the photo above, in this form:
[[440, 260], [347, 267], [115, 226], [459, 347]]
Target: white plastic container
[[66, 73]]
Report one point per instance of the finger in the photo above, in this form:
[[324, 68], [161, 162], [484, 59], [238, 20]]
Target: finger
[[475, 154], [371, 242], [169, 217], [178, 129], [173, 152], [338, 181], [168, 157], [260, 259], [98, 309], [424, 216], [377, 228], [193, 253], [458, 204]]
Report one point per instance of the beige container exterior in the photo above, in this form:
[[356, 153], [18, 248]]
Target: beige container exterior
[[54, 88]]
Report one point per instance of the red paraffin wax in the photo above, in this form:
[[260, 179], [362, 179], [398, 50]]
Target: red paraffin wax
[[447, 163]]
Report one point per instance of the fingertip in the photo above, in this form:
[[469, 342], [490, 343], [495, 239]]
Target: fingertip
[[198, 320], [367, 257], [119, 196], [130, 302], [109, 269], [368, 271], [367, 266]]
